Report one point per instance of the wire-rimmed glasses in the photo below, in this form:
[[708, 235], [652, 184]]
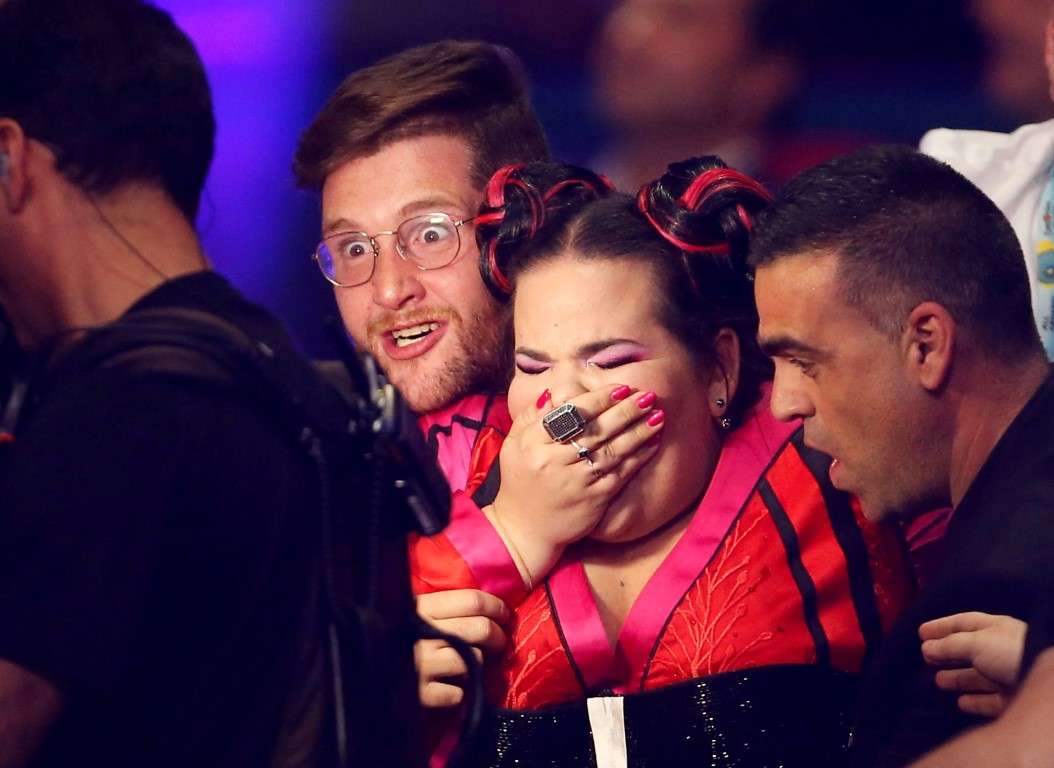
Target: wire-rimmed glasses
[[428, 241]]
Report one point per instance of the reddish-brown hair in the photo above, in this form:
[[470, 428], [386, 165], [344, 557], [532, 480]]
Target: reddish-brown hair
[[468, 89]]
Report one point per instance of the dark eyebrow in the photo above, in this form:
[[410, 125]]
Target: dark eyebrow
[[586, 350], [333, 226], [782, 346], [534, 354], [408, 211]]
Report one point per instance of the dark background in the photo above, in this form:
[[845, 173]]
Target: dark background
[[884, 71]]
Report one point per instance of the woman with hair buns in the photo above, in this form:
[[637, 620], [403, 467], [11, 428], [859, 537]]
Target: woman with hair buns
[[685, 585]]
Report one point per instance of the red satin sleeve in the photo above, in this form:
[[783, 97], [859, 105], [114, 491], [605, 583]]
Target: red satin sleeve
[[435, 565]]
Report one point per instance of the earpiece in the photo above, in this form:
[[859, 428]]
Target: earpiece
[[3, 165]]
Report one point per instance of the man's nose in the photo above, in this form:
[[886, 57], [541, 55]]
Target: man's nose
[[395, 281], [789, 400]]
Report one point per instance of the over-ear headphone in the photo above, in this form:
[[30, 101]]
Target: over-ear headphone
[[3, 165]]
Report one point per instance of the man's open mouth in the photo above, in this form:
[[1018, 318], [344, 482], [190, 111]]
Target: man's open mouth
[[404, 337]]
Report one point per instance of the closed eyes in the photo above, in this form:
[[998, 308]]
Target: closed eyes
[[603, 355]]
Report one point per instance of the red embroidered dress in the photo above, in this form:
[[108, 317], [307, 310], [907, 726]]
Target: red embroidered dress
[[776, 567]]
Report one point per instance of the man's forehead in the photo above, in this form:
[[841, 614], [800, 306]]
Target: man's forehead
[[349, 218], [803, 269], [792, 294], [403, 179]]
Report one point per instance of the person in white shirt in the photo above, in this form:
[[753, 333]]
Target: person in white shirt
[[1016, 170]]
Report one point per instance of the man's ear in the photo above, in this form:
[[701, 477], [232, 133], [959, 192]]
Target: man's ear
[[929, 344], [725, 374], [13, 146]]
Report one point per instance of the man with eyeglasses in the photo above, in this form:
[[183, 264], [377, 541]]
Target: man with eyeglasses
[[401, 153], [429, 241]]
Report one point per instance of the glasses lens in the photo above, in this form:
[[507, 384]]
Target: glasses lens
[[429, 241], [346, 258]]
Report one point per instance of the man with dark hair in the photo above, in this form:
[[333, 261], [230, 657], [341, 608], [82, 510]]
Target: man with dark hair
[[401, 153], [158, 529], [894, 299], [50, 97]]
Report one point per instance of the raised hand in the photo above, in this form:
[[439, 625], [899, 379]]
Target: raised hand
[[554, 493]]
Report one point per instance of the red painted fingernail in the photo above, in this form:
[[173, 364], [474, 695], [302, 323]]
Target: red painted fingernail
[[620, 392], [647, 400], [543, 399], [656, 418]]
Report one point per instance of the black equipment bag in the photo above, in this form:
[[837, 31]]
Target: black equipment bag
[[357, 702]]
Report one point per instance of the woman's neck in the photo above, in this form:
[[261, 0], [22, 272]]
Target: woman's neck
[[617, 572]]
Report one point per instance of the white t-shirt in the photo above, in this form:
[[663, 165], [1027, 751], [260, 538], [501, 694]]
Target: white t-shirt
[[1012, 169]]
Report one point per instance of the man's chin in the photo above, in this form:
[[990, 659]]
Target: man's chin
[[429, 388], [448, 371], [878, 511], [874, 512], [420, 390]]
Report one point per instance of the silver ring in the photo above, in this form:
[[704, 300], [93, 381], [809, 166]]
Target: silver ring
[[583, 452], [593, 467], [563, 423]]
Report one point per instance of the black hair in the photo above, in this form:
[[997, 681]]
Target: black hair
[[691, 227], [113, 88]]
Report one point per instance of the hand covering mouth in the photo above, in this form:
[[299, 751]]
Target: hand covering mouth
[[404, 337]]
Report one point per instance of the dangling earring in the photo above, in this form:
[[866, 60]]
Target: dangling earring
[[724, 421]]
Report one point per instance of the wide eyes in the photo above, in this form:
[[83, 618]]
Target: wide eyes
[[350, 246], [427, 234]]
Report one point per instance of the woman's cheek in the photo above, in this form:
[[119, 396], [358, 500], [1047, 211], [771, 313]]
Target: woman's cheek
[[520, 391]]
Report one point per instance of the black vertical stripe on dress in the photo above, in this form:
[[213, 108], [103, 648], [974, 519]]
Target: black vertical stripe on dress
[[850, 538], [806, 586]]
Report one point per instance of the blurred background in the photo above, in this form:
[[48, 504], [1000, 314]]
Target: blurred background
[[623, 86]]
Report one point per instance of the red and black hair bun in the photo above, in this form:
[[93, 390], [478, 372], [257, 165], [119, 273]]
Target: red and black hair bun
[[518, 202], [701, 205]]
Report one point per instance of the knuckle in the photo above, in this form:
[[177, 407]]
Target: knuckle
[[423, 651], [449, 663], [478, 628], [495, 639], [480, 603], [475, 603], [441, 695], [425, 605]]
